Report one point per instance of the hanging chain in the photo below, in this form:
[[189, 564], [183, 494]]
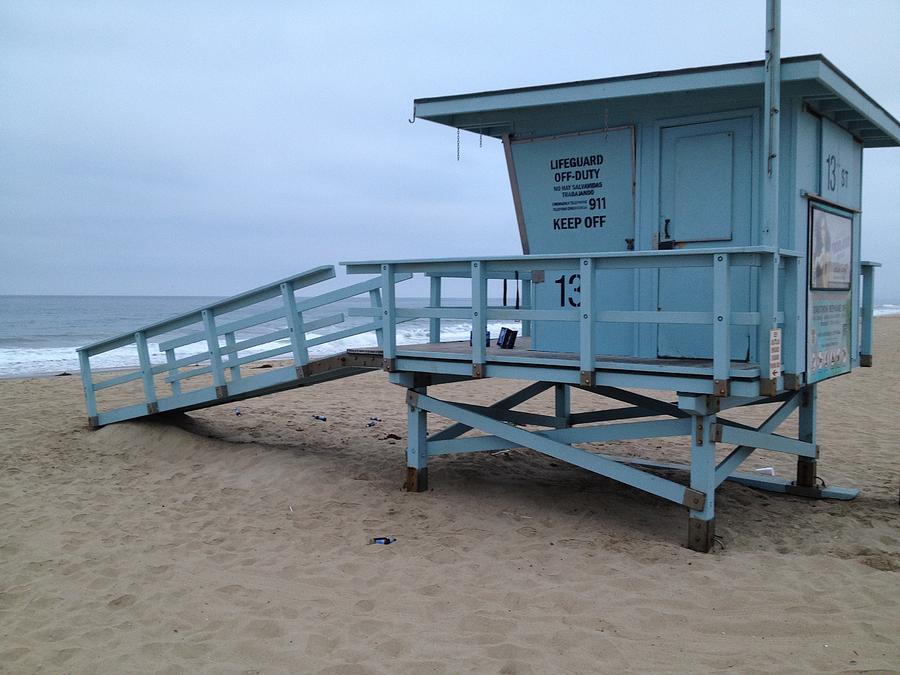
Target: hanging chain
[[457, 145]]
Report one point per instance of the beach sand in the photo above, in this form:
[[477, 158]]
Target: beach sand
[[223, 543]]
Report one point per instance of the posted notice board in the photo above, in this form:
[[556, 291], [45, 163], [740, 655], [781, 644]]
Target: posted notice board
[[829, 306]]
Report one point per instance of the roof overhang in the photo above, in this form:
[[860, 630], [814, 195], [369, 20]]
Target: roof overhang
[[830, 94]]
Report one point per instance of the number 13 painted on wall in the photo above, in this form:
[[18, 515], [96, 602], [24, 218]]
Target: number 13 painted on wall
[[572, 290]]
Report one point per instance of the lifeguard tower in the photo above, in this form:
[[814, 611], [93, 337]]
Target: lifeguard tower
[[677, 237], [695, 232]]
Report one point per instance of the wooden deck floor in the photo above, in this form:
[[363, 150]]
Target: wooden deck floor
[[524, 354]]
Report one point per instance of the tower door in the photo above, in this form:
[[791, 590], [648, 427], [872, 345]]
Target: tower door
[[705, 201]]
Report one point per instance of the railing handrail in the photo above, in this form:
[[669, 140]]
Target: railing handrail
[[251, 297], [419, 264], [302, 306], [720, 315], [224, 362]]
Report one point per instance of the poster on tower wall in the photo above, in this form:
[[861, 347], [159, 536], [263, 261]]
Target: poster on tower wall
[[829, 308]]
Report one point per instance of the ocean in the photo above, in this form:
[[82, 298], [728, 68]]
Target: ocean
[[39, 333]]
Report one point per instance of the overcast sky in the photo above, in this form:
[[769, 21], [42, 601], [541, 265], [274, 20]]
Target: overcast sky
[[202, 148]]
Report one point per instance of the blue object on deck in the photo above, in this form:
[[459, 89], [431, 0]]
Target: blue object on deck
[[693, 231]]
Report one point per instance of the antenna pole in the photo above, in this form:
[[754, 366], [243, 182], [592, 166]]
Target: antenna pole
[[772, 123]]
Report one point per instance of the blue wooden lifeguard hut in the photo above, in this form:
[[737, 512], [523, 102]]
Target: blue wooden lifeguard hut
[[695, 232]]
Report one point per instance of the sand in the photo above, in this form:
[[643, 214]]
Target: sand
[[223, 543]]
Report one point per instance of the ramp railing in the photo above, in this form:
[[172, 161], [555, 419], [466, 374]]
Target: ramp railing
[[198, 356], [720, 315]]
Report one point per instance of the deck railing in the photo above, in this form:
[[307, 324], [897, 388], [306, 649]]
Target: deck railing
[[285, 328], [867, 311], [772, 307]]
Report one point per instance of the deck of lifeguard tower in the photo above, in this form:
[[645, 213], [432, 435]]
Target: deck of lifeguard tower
[[673, 278]]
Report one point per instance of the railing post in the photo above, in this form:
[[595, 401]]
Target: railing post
[[868, 309], [215, 356], [586, 323], [526, 304], [232, 356], [793, 323], [479, 318], [87, 381], [173, 371], [389, 317], [375, 303], [721, 324], [434, 325], [768, 276], [295, 326], [143, 351]]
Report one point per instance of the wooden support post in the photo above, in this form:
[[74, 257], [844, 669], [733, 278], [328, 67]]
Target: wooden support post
[[806, 466], [586, 323], [87, 381], [702, 522], [232, 357], [173, 371], [140, 340], [215, 356], [295, 326], [434, 324], [563, 400], [417, 443], [479, 318], [388, 317]]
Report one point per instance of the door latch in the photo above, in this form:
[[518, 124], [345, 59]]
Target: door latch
[[667, 242]]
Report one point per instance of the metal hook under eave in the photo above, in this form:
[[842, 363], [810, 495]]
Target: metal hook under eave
[[412, 120]]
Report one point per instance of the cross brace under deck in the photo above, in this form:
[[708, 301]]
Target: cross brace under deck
[[696, 417]]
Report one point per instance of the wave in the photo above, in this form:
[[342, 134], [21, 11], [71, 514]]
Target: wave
[[887, 309]]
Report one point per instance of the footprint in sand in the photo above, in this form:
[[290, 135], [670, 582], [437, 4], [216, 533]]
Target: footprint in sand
[[365, 606], [264, 629], [122, 601]]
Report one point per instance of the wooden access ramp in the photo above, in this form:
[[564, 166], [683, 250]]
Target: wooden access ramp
[[221, 353]]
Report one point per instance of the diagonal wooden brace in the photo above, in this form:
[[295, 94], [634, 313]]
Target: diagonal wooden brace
[[618, 471]]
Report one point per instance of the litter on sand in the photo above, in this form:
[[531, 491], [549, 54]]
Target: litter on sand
[[382, 540]]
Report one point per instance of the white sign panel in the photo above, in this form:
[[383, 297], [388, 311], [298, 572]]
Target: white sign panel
[[577, 190]]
